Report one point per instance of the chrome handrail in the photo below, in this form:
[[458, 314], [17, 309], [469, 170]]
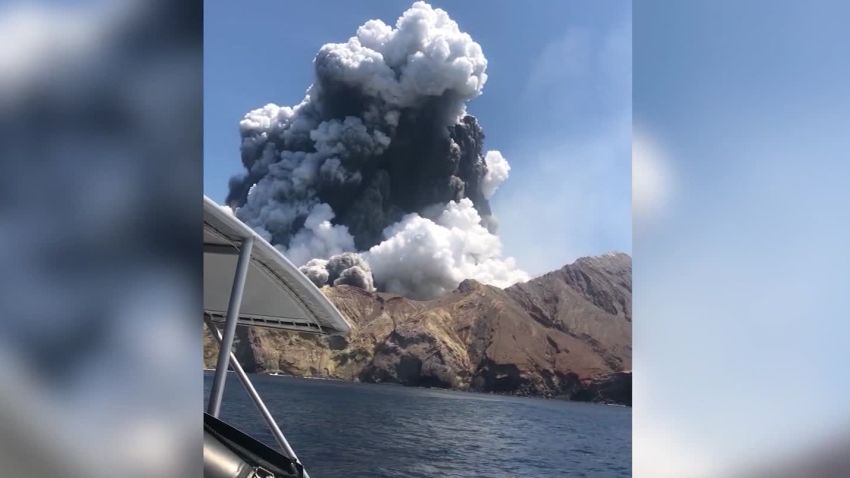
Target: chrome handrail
[[227, 358]]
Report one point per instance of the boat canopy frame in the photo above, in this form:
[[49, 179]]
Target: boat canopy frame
[[288, 301]]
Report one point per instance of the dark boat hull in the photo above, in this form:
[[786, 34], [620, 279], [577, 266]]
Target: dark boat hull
[[230, 453]]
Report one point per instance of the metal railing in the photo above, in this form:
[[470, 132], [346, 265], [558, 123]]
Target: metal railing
[[226, 358]]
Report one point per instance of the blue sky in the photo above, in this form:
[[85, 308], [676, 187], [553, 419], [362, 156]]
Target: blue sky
[[740, 297], [557, 103]]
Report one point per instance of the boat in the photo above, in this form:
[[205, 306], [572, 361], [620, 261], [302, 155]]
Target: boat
[[250, 283]]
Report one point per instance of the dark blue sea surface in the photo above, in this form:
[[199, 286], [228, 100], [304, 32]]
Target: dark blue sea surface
[[341, 429]]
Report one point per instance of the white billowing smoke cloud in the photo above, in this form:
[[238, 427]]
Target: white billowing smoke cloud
[[425, 55], [318, 237], [380, 144], [497, 172], [422, 258]]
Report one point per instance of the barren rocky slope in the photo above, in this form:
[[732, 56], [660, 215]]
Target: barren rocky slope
[[566, 333]]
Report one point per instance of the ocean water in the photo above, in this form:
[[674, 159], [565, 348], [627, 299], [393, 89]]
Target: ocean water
[[341, 429]]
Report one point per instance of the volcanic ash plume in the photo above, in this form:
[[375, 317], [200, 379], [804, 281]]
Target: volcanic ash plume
[[380, 157]]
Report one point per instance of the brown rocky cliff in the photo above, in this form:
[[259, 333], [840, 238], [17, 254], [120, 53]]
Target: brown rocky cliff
[[561, 334]]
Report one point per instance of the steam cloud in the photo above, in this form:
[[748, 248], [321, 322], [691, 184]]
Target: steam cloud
[[380, 157]]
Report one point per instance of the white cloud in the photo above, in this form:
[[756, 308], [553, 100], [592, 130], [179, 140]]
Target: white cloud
[[39, 38], [422, 259], [652, 181], [498, 170]]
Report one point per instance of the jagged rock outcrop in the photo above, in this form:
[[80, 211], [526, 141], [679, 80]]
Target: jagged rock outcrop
[[566, 333], [612, 388]]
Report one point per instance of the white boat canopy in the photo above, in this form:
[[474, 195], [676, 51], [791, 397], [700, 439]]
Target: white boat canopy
[[276, 294]]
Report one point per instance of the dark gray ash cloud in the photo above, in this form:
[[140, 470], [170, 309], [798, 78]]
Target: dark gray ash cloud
[[381, 157]]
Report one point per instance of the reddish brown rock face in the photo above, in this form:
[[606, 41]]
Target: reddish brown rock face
[[566, 333]]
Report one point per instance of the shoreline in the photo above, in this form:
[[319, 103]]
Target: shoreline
[[563, 398]]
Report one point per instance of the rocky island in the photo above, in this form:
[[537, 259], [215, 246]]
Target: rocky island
[[565, 334]]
